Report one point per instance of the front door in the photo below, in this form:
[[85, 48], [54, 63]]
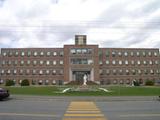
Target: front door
[[79, 75]]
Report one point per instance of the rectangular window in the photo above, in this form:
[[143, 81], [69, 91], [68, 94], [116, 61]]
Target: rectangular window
[[61, 62]]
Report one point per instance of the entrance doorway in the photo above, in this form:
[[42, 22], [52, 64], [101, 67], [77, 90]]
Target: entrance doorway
[[80, 74]]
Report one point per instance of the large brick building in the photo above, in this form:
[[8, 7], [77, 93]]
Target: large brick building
[[72, 62]]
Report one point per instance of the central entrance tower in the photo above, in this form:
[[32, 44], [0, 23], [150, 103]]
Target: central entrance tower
[[81, 59]]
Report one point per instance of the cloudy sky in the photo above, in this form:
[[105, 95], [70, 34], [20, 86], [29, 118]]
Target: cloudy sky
[[53, 23]]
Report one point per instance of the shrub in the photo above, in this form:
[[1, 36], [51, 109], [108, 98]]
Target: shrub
[[10, 83], [25, 82], [149, 82]]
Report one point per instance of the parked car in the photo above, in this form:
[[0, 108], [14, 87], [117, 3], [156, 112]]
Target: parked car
[[4, 93]]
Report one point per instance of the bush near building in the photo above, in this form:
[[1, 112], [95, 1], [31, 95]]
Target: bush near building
[[149, 83], [25, 82], [10, 83]]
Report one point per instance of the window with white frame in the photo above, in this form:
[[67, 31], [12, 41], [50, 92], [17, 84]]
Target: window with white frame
[[126, 54], [61, 62], [145, 62], [22, 53], [155, 54], [150, 62], [138, 53], [120, 62], [34, 62], [132, 54], [41, 53], [29, 53], [120, 54], [132, 62], [16, 53], [54, 53], [107, 62], [14, 71], [48, 53], [28, 62], [47, 62], [113, 62], [54, 72], [138, 62], [40, 72], [150, 53], [54, 62], [47, 72], [35, 53], [156, 62], [126, 62], [144, 53], [34, 72]]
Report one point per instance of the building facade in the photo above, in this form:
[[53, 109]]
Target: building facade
[[46, 66]]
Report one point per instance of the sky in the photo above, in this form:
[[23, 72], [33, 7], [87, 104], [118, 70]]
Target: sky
[[53, 23]]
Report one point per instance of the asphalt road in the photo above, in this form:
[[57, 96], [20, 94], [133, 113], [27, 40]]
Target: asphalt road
[[36, 108]]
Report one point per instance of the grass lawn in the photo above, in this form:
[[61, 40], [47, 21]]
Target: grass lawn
[[114, 91]]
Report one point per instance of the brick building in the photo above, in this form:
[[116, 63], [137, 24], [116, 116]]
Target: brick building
[[61, 65]]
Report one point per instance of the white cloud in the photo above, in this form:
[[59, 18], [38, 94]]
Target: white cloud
[[53, 23]]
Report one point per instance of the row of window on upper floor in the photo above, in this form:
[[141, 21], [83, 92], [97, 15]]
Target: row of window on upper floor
[[81, 51], [131, 53], [128, 71], [132, 62], [31, 53], [34, 62], [31, 72]]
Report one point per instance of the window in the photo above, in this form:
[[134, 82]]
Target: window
[[54, 72], [34, 72], [126, 62], [14, 71], [22, 62], [22, 53], [21, 71], [144, 53], [10, 54], [54, 62], [41, 62], [47, 72], [16, 53], [139, 71], [73, 51], [145, 62], [113, 54], [40, 72], [79, 51], [61, 62], [29, 53], [61, 53], [15, 62], [133, 71], [107, 71], [138, 62], [107, 53], [27, 71], [146, 71], [157, 71], [138, 54], [156, 62], [35, 54], [120, 54], [61, 72], [155, 54], [120, 71], [48, 53], [3, 62], [41, 53], [150, 62], [149, 53], [34, 62], [132, 54], [8, 71], [151, 71], [127, 72], [9, 62], [113, 62], [125, 54], [90, 61], [100, 62], [84, 51], [47, 62], [28, 62], [107, 62], [120, 62], [114, 71], [2, 71], [54, 53], [100, 71], [4, 54], [132, 62]]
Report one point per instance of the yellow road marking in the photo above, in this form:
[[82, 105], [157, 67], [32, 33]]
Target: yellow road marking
[[84, 119], [30, 115], [91, 115], [83, 111]]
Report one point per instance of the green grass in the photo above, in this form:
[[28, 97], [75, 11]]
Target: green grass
[[115, 91]]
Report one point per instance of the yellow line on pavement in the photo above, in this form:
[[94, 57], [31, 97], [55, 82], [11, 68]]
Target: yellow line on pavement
[[83, 111], [28, 114], [84, 119], [91, 115]]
